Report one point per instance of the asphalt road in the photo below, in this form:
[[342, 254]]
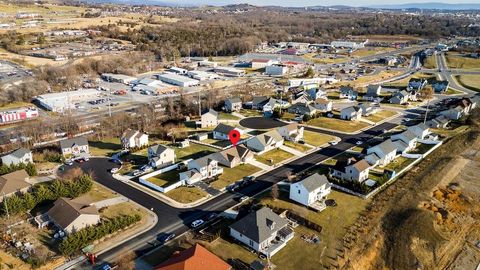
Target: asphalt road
[[176, 220]]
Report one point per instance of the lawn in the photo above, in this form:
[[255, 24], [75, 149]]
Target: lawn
[[370, 51], [125, 208], [100, 193], [382, 75], [471, 82], [105, 147], [337, 124], [186, 194], [430, 62], [16, 104], [273, 157], [399, 163], [297, 146], [220, 143], [165, 179], [250, 113], [193, 151], [380, 115], [231, 175], [422, 148], [451, 91], [450, 132], [288, 116], [458, 61], [227, 116], [316, 139]]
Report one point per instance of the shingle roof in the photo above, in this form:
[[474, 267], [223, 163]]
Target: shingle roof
[[12, 182], [350, 109], [211, 111], [256, 225], [194, 258], [314, 181], [228, 155], [80, 141], [360, 165], [387, 146], [20, 152], [265, 137], [65, 210], [224, 129], [259, 100], [159, 149], [129, 133], [235, 100]]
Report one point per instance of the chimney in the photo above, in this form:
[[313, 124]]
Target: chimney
[[270, 224]]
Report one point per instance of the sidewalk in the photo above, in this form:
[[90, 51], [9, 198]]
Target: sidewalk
[[292, 151], [260, 165]]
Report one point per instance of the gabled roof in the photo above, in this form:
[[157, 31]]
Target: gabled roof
[[194, 258], [265, 137], [212, 112], [302, 108], [291, 127], [346, 89], [129, 133], [228, 155], [260, 225], [80, 141], [204, 161], [19, 153], [234, 100], [323, 101], [387, 146], [314, 181], [224, 129], [66, 210], [13, 182], [351, 109], [359, 165], [259, 100], [158, 149]]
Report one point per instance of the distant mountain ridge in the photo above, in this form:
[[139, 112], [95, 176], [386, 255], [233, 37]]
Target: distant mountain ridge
[[431, 5]]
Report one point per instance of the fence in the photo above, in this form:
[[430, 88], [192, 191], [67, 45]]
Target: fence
[[61, 139], [144, 178]]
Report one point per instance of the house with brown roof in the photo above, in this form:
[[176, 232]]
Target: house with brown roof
[[13, 182], [291, 132], [194, 258], [74, 214], [233, 156], [351, 169], [133, 139], [265, 142]]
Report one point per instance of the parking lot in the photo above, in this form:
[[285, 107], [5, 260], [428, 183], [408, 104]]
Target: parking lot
[[11, 72]]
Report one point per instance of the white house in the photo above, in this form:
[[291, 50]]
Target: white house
[[21, 155], [160, 156], [263, 231], [351, 169], [209, 119], [265, 142], [233, 104], [405, 141], [323, 105], [382, 153], [221, 131], [438, 122], [291, 132], [367, 109], [76, 147], [352, 113], [72, 215], [233, 156], [311, 191], [133, 139], [200, 169], [400, 97], [420, 130]]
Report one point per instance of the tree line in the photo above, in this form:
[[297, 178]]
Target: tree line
[[28, 167]]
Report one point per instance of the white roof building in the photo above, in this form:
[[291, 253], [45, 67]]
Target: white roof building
[[178, 80], [62, 101]]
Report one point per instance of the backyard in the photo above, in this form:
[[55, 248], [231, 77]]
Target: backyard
[[317, 139], [337, 124], [231, 175], [399, 163], [273, 157], [165, 179], [380, 115], [193, 151], [250, 113], [227, 116], [105, 147], [186, 194], [297, 146]]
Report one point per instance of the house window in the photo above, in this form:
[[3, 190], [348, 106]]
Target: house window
[[251, 243], [299, 191]]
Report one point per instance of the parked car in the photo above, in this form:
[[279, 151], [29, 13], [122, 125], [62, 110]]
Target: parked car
[[333, 142], [114, 170], [146, 168], [69, 162], [243, 198], [359, 142], [136, 173], [197, 223], [165, 237], [211, 216]]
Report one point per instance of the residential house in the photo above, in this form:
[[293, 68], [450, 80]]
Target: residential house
[[438, 122], [348, 93], [14, 182], [21, 155], [323, 105], [233, 104], [200, 169], [400, 97], [351, 169], [265, 142], [263, 231], [405, 141], [367, 109], [194, 258], [291, 132], [221, 131], [311, 191], [72, 215], [440, 86], [133, 139], [272, 104], [301, 97], [258, 102], [374, 90], [454, 113], [352, 113], [381, 154], [302, 109], [76, 147], [209, 119], [160, 156], [417, 84], [233, 156], [420, 130], [316, 93]]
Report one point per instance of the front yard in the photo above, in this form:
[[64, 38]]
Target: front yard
[[186, 194], [227, 116], [250, 113], [297, 146], [337, 124], [273, 157], [380, 115], [316, 139], [104, 147], [231, 175]]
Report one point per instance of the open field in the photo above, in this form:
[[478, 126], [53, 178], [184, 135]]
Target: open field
[[367, 51], [14, 105], [231, 175], [471, 82], [403, 82], [430, 62], [337, 124], [380, 115], [125, 208], [316, 139], [186, 194], [450, 132], [459, 61], [273, 157], [370, 79], [386, 38], [250, 113]]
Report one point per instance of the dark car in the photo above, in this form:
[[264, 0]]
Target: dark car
[[211, 216], [165, 237]]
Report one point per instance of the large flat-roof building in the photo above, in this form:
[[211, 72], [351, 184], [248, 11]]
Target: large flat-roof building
[[62, 101], [178, 80], [348, 44], [229, 71], [119, 78]]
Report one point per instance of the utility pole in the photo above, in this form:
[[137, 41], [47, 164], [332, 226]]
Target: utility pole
[[426, 112], [6, 206], [109, 103], [199, 104]]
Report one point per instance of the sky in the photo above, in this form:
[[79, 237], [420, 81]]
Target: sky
[[301, 3]]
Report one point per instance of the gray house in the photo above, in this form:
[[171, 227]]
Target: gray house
[[440, 86], [21, 155], [351, 169], [302, 109], [352, 113], [76, 147], [160, 156], [233, 104], [381, 154]]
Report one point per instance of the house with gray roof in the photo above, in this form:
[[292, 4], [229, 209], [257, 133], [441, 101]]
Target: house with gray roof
[[76, 147], [440, 86], [438, 122], [302, 109], [72, 215], [13, 182], [258, 102], [160, 156], [323, 105], [351, 169], [265, 142], [200, 169], [352, 113], [133, 139], [221, 131], [420, 130], [233, 156], [400, 97], [263, 231], [233, 104], [405, 141], [381, 154], [21, 155], [348, 92], [311, 191], [367, 108], [209, 119]]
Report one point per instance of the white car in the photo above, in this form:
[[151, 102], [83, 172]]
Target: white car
[[359, 142], [114, 170], [68, 162], [333, 143], [197, 223]]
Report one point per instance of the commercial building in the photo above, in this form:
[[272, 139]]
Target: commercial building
[[17, 115], [229, 71], [201, 75], [178, 80], [348, 44], [120, 78], [60, 102]]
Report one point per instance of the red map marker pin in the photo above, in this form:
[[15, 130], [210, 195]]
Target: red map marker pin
[[234, 136]]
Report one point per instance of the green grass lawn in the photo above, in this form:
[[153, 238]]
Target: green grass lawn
[[165, 179], [193, 151], [250, 113], [451, 91], [297, 146], [227, 116], [186, 194], [220, 143], [380, 115], [316, 138], [275, 155], [450, 132], [105, 147], [399, 163], [337, 124], [231, 175]]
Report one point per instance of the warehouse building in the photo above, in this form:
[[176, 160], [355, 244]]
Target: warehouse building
[[229, 71], [119, 78], [60, 102], [202, 75], [178, 80]]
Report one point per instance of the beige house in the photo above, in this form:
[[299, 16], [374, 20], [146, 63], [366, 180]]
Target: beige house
[[74, 214], [209, 119], [160, 156], [291, 132], [76, 147], [13, 182], [133, 139], [233, 156], [265, 142]]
